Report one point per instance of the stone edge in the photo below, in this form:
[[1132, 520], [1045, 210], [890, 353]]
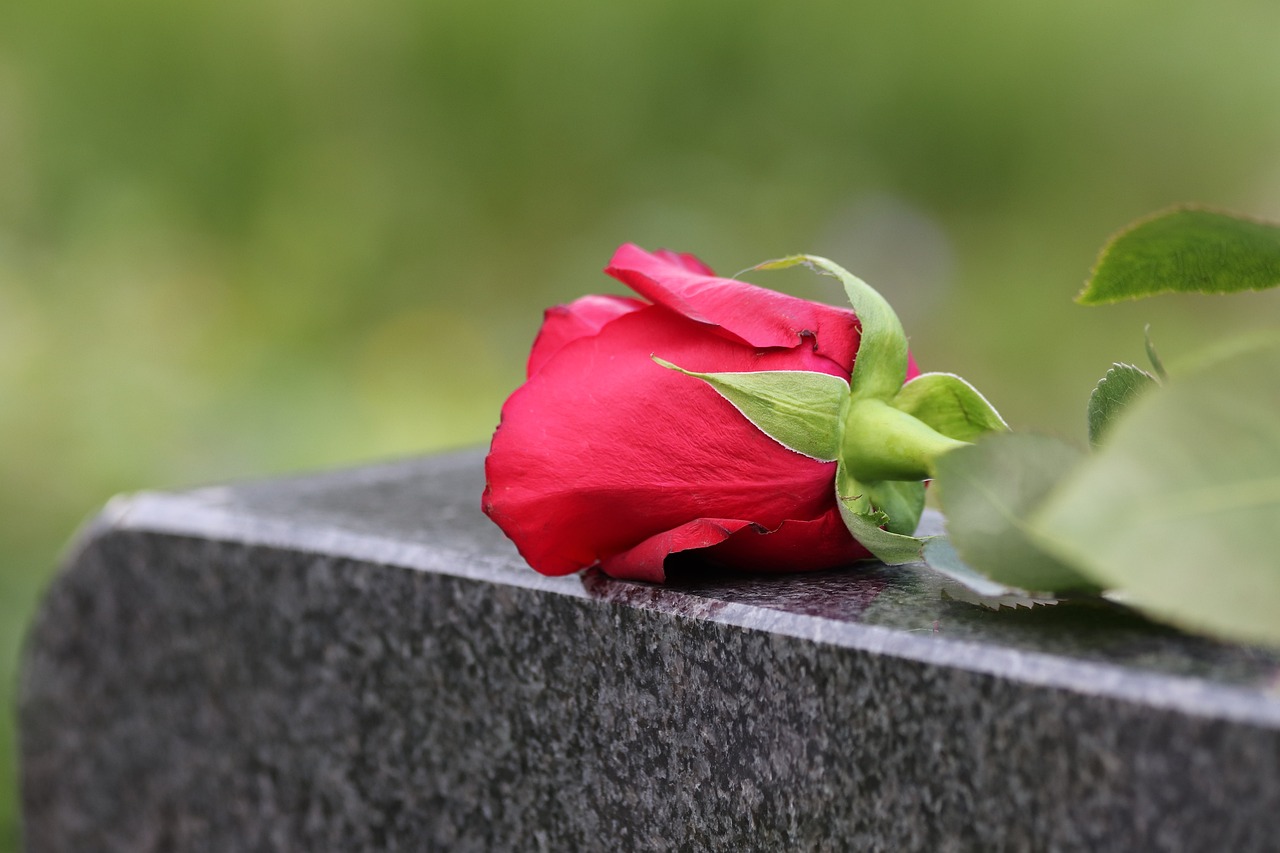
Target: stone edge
[[201, 514]]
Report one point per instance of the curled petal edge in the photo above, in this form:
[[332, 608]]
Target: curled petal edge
[[796, 545]]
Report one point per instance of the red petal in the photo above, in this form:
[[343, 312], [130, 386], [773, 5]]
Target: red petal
[[602, 449], [796, 546], [690, 262], [754, 315], [645, 561], [579, 319]]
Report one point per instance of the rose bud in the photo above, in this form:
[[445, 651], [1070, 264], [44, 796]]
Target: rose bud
[[607, 457]]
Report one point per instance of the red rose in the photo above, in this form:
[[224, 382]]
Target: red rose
[[604, 457]]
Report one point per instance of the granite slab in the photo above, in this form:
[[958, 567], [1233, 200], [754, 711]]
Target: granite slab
[[359, 660]]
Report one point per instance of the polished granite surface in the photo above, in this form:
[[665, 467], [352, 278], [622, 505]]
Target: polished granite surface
[[359, 660], [424, 513]]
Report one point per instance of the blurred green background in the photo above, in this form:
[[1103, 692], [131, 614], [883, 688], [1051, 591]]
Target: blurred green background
[[241, 238]]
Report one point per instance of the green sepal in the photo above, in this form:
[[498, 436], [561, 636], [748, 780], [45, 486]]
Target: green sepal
[[801, 410], [901, 501], [881, 365], [949, 405], [1114, 393], [1186, 250], [865, 519]]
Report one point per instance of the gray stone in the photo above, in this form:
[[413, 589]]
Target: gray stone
[[360, 660]]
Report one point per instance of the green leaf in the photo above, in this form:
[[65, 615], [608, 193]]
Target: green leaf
[[1181, 506], [864, 520], [801, 410], [950, 405], [1123, 384], [988, 490], [970, 586], [881, 365], [1187, 250]]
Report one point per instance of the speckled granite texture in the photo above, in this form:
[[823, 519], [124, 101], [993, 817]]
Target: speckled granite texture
[[359, 660]]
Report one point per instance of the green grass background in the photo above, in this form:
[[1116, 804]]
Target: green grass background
[[240, 238]]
